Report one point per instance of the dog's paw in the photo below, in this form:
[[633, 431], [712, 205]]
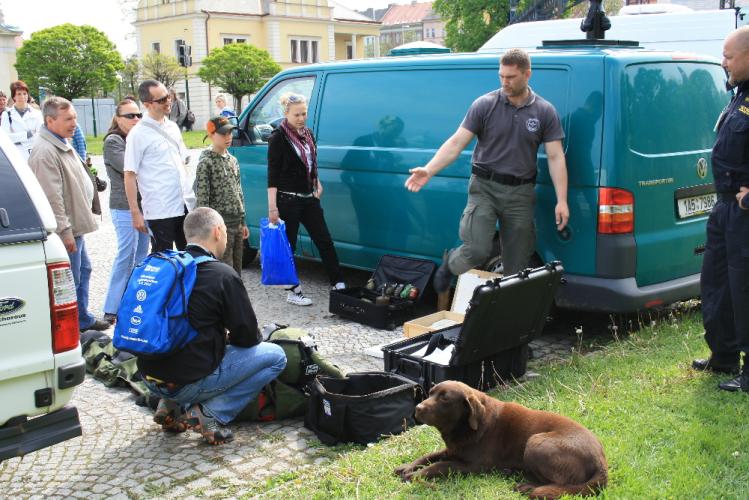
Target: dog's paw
[[403, 470], [525, 488]]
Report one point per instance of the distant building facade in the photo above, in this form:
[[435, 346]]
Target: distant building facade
[[410, 23], [10, 40], [294, 32]]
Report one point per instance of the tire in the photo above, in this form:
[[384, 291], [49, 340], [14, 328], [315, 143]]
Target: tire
[[248, 254]]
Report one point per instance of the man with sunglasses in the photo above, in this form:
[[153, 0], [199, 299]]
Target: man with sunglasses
[[155, 166]]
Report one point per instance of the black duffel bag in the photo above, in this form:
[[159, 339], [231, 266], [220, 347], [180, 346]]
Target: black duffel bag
[[360, 408]]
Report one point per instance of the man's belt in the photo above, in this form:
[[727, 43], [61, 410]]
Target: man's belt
[[509, 180]]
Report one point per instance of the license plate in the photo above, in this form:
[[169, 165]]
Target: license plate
[[696, 205]]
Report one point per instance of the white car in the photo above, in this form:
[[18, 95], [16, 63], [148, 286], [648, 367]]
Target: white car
[[40, 357]]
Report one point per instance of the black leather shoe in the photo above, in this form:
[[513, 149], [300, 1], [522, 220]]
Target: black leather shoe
[[740, 383], [704, 365]]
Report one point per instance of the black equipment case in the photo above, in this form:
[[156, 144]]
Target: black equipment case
[[491, 345], [360, 408], [358, 303]]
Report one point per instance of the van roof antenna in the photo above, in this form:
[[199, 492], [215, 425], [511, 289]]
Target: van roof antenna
[[595, 23]]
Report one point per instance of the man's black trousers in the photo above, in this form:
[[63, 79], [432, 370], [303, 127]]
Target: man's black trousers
[[725, 281]]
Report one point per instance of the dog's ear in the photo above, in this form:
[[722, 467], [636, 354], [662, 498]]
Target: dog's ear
[[475, 411]]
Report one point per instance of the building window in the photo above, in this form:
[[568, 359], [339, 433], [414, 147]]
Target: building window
[[156, 47], [349, 51], [433, 33], [229, 39], [304, 50]]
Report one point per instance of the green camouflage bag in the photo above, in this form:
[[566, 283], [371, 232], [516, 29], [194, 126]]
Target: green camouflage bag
[[303, 362]]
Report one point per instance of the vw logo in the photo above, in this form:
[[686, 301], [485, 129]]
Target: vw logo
[[702, 168]]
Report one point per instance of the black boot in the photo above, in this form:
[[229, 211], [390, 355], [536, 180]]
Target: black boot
[[740, 383], [443, 277]]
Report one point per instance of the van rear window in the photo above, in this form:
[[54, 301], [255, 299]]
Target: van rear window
[[672, 107], [19, 220]]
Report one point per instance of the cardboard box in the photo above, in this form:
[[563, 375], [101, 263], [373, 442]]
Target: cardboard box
[[467, 283]]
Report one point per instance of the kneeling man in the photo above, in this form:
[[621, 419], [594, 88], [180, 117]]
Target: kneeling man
[[206, 385]]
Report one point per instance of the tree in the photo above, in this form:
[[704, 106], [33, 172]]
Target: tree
[[238, 68], [164, 69], [470, 23], [70, 61], [130, 76]]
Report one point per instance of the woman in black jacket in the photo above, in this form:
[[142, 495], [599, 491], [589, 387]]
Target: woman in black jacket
[[294, 189]]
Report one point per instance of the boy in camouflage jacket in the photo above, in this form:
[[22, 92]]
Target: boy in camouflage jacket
[[218, 186]]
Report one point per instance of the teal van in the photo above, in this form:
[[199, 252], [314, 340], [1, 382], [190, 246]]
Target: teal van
[[639, 132]]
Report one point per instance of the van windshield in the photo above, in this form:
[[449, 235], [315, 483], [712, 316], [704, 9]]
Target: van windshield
[[658, 97]]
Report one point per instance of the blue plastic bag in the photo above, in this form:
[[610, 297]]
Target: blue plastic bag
[[276, 257]]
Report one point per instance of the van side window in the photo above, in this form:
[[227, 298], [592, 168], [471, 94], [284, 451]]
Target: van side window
[[268, 113], [410, 108], [19, 221], [657, 97]]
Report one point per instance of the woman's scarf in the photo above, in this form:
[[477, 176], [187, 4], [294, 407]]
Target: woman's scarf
[[299, 140]]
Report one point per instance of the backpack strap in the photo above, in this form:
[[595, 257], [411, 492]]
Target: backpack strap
[[203, 258]]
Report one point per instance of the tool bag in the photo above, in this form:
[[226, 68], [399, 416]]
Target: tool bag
[[361, 408]]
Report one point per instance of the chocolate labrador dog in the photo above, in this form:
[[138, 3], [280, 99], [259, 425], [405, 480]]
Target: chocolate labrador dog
[[483, 434]]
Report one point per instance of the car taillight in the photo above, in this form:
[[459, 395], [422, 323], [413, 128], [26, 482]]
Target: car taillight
[[616, 211], [63, 305]]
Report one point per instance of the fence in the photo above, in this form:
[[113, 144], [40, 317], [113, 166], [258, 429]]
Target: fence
[[104, 109]]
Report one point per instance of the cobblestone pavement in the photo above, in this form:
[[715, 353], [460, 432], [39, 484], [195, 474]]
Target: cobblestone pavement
[[122, 453]]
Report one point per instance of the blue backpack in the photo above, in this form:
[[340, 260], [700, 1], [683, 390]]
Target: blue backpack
[[152, 318]]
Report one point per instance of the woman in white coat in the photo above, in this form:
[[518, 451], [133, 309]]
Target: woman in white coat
[[21, 122]]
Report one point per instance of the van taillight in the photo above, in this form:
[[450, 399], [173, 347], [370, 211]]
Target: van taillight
[[616, 211], [63, 306]]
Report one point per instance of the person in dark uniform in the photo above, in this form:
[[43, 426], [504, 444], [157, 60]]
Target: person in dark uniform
[[725, 269]]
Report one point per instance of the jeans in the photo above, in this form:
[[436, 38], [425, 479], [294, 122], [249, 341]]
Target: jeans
[[81, 268], [307, 211], [237, 381], [132, 248]]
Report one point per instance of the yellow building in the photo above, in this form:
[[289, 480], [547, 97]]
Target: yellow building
[[294, 32], [10, 38]]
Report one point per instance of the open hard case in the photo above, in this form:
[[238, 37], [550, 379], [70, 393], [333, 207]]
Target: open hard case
[[358, 303], [491, 345]]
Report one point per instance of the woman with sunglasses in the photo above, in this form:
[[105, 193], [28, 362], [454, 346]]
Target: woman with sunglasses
[[20, 121], [294, 189], [132, 245]]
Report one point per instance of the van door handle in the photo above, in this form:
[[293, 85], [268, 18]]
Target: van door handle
[[4, 219]]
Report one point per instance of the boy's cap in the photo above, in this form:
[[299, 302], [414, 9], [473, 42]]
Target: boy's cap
[[219, 124]]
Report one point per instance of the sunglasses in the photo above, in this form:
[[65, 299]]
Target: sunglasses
[[131, 116], [162, 100]]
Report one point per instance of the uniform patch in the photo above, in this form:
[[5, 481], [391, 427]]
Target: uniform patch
[[532, 124], [744, 109]]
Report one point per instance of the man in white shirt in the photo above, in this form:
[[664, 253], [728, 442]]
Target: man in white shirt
[[155, 165]]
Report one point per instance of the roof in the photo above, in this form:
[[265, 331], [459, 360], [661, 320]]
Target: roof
[[343, 13], [409, 13]]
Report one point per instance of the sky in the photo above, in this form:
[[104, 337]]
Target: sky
[[106, 15]]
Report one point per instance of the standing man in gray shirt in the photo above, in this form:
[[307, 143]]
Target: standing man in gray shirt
[[510, 124]]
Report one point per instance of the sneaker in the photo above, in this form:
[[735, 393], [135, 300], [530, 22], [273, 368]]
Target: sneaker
[[208, 427], [170, 416], [298, 299], [110, 318], [338, 286]]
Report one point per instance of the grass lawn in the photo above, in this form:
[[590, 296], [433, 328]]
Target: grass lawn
[[667, 430], [193, 140]]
